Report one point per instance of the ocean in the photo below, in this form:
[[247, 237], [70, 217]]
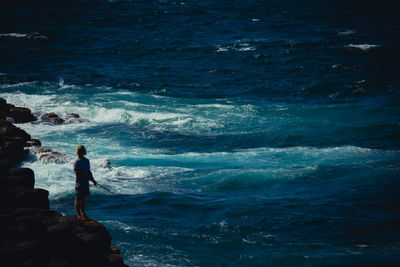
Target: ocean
[[255, 133]]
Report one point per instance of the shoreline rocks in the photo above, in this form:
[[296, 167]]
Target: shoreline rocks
[[17, 114], [31, 233], [22, 115], [52, 118]]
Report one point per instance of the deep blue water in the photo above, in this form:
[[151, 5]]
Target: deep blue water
[[239, 132]]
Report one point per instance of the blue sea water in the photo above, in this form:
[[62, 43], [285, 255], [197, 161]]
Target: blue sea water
[[256, 133]]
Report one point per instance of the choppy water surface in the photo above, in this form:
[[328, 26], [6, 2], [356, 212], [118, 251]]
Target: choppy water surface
[[255, 133]]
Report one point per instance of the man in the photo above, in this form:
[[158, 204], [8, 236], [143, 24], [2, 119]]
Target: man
[[83, 176]]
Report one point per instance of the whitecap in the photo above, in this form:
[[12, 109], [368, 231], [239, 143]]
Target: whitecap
[[346, 32], [217, 106], [30, 36], [363, 47], [242, 47], [14, 35], [34, 102], [13, 85], [119, 225], [222, 49]]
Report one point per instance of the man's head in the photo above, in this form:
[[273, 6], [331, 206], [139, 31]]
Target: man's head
[[80, 151]]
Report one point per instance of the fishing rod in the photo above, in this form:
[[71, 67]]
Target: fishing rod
[[112, 193]]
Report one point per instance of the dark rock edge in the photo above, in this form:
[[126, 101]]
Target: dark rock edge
[[30, 233]]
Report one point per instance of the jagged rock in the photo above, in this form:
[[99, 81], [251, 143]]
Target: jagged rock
[[115, 258], [34, 142], [74, 118], [10, 119], [16, 181], [52, 118], [55, 157], [3, 105], [26, 172], [34, 198], [73, 115], [30, 233], [22, 115], [5, 163], [12, 144], [7, 129], [7, 201], [84, 241]]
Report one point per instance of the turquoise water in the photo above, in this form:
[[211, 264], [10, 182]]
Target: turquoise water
[[222, 181], [256, 133]]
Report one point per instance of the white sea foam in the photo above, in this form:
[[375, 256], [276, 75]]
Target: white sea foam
[[346, 32], [15, 35], [363, 47], [138, 170], [216, 106], [119, 225], [246, 47], [59, 179], [291, 156], [241, 47], [15, 85], [166, 171], [134, 109], [222, 48]]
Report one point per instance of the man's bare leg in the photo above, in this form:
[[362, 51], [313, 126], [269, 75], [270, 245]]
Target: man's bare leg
[[82, 207], [77, 205]]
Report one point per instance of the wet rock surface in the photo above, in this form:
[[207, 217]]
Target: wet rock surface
[[52, 118], [33, 235], [55, 119], [74, 118], [22, 115], [55, 157], [15, 114]]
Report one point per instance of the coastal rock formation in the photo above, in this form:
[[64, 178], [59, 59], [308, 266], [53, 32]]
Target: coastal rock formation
[[5, 107], [18, 114], [39, 149], [52, 118], [12, 144], [74, 118], [33, 235], [45, 154], [33, 142], [55, 157], [22, 115]]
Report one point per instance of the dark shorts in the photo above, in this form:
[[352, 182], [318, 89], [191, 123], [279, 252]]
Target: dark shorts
[[82, 191]]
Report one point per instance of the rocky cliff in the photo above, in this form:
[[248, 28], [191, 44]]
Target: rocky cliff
[[32, 234]]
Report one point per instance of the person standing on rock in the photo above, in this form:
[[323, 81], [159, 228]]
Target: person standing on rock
[[83, 176]]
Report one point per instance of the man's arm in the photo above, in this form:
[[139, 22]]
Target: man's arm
[[91, 178]]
